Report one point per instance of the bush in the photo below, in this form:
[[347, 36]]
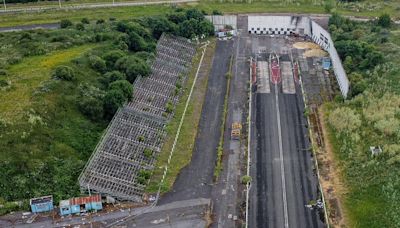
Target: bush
[[97, 63], [3, 83], [65, 23], [136, 42], [384, 20], [345, 119], [112, 76], [91, 107], [112, 101], [148, 153], [3, 72], [246, 179], [85, 21], [169, 108], [100, 21], [112, 56], [65, 73], [133, 67], [80, 26], [124, 86], [217, 12]]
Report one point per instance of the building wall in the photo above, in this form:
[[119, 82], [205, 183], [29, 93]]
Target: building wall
[[279, 25], [323, 38], [285, 25], [219, 21], [42, 207]]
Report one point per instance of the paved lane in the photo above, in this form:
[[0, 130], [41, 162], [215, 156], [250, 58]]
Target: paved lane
[[283, 192]]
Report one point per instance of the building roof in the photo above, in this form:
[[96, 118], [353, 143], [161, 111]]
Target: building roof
[[85, 200], [64, 203], [40, 200]]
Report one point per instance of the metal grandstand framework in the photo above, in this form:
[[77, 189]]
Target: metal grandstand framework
[[138, 127]]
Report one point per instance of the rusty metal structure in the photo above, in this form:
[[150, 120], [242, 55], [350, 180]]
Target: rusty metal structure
[[136, 133]]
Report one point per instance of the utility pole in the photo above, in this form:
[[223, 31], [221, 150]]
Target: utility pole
[[59, 3], [5, 6]]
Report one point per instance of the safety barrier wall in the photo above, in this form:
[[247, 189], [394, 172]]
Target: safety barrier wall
[[323, 38]]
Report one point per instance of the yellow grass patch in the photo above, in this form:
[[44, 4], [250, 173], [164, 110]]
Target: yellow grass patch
[[26, 76], [306, 45], [315, 53]]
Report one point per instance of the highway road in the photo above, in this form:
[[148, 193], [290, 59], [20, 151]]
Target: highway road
[[282, 167]]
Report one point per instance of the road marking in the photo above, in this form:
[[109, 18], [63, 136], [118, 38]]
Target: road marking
[[285, 210]]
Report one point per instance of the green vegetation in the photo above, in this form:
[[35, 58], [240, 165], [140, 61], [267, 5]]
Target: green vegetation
[[59, 89], [246, 179], [220, 148], [369, 117], [369, 8], [184, 147]]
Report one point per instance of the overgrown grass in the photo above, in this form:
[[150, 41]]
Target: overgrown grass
[[366, 8], [75, 15], [220, 148], [184, 147], [25, 78], [369, 118]]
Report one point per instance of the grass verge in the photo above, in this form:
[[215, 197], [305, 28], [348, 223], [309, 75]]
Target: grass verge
[[367, 8], [75, 15], [184, 147], [220, 149]]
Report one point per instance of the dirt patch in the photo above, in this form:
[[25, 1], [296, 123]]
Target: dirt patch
[[315, 53], [333, 187], [306, 45]]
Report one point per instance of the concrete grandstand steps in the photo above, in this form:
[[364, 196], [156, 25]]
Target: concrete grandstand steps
[[288, 86], [263, 85]]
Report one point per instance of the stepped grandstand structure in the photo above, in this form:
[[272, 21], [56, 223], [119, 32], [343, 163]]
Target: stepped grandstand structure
[[135, 135]]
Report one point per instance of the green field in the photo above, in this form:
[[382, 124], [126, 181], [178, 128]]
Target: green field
[[369, 117], [366, 8], [59, 90]]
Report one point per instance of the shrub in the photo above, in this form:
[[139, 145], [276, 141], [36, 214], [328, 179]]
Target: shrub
[[384, 20], [91, 107], [344, 119], [3, 83], [133, 67], [65, 73], [169, 108], [246, 179], [65, 23], [97, 63], [148, 153], [124, 86], [80, 26], [217, 12], [136, 42], [85, 21], [141, 138], [112, 101], [100, 21], [3, 72], [112, 56], [112, 76]]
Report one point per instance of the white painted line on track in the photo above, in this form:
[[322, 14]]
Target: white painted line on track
[[285, 209]]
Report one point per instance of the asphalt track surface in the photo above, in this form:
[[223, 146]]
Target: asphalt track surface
[[196, 179], [299, 183], [282, 166]]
